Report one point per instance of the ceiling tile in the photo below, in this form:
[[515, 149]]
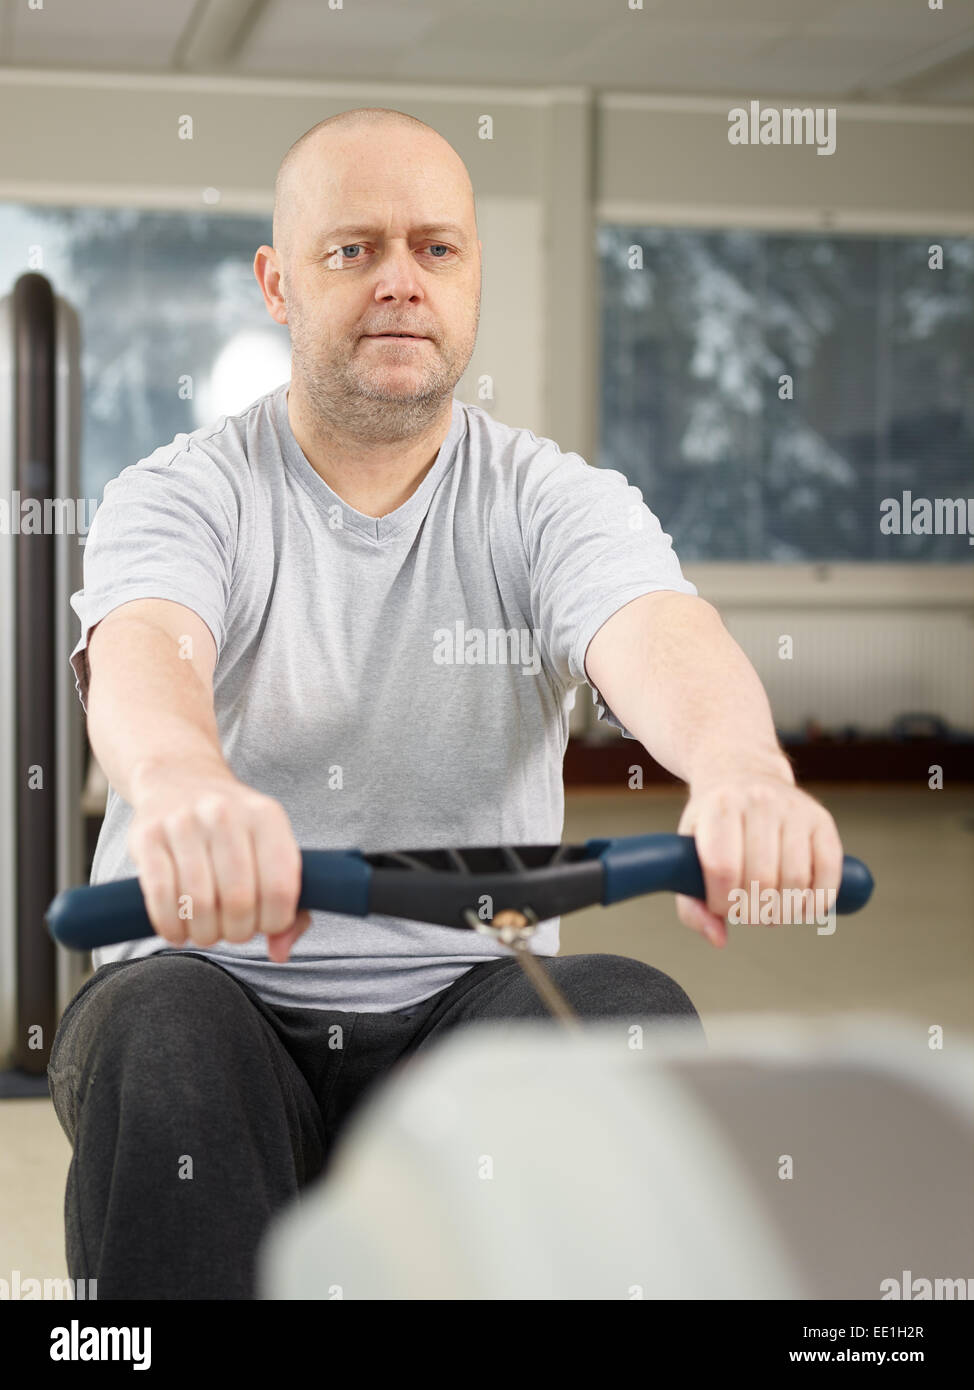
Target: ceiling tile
[[98, 33], [290, 26], [901, 19], [828, 65], [832, 48]]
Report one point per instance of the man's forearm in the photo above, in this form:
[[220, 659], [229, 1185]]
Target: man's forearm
[[673, 675], [147, 709]]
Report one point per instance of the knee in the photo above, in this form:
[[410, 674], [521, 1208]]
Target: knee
[[158, 1012], [601, 986]]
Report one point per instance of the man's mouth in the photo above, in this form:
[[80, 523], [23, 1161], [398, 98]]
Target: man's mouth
[[420, 336]]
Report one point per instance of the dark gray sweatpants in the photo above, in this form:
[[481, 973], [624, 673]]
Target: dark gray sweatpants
[[195, 1110]]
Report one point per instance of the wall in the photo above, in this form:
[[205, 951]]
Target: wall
[[560, 159], [870, 640]]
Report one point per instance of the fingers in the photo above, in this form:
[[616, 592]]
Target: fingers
[[697, 916], [762, 854], [157, 879], [768, 854], [218, 861], [796, 863], [234, 867], [827, 859], [279, 876], [195, 877], [720, 837], [279, 945]]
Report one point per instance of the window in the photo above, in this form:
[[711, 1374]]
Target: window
[[174, 331], [880, 351]]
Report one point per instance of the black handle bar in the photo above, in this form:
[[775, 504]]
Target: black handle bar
[[449, 887]]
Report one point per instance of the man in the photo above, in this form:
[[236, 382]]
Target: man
[[275, 652]]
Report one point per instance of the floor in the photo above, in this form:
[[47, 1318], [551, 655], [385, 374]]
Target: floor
[[910, 953]]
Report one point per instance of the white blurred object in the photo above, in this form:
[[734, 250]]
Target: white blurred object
[[520, 1161], [252, 363]]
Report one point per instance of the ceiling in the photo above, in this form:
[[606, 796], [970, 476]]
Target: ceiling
[[855, 50]]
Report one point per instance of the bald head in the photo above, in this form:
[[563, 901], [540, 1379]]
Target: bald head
[[375, 269], [313, 157]]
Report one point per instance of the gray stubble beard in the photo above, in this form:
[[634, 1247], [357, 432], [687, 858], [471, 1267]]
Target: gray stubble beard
[[340, 401]]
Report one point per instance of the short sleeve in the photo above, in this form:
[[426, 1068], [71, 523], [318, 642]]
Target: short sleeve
[[593, 546], [166, 528]]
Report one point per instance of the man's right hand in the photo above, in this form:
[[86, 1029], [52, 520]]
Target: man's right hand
[[216, 859]]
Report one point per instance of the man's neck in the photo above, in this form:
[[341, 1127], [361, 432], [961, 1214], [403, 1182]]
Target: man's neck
[[373, 477]]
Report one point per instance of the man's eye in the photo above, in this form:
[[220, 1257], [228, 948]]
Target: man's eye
[[438, 249]]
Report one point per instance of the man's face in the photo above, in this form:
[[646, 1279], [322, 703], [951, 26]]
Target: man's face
[[383, 241]]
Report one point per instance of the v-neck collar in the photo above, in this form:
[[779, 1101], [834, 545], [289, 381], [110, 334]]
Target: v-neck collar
[[375, 528]]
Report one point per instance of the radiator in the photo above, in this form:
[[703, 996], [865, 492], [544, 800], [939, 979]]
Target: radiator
[[861, 669]]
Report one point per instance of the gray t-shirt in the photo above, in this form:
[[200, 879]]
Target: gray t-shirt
[[395, 683]]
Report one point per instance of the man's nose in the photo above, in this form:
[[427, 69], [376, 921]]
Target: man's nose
[[398, 275]]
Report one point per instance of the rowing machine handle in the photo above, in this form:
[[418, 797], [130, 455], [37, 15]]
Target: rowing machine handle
[[96, 915], [103, 914], [637, 864]]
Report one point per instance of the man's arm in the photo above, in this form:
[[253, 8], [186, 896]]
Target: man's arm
[[198, 833], [150, 694], [673, 675]]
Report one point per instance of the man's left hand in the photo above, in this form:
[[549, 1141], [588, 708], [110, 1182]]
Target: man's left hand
[[753, 825]]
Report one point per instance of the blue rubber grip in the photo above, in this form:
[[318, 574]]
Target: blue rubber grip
[[637, 864], [101, 914]]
